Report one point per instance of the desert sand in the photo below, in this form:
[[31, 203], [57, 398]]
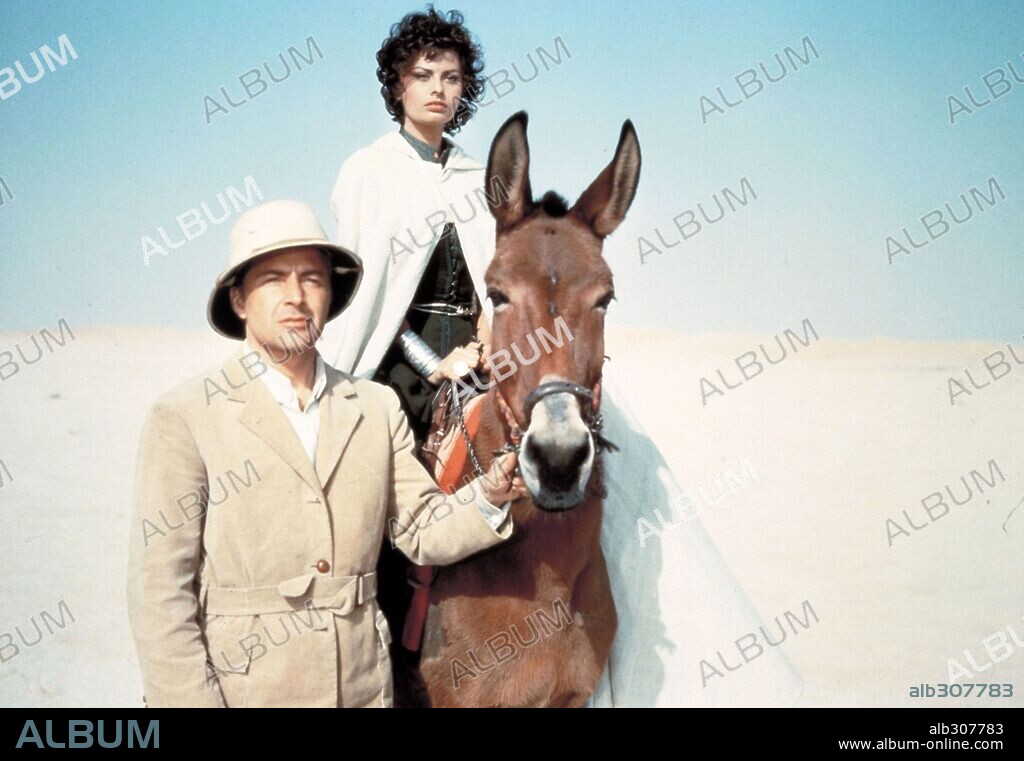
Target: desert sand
[[841, 435]]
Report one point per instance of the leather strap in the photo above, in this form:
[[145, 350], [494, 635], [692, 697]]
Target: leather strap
[[422, 576]]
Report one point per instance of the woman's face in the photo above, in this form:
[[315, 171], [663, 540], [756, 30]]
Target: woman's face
[[431, 90]]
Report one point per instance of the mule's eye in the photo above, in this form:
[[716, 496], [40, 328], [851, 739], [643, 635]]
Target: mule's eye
[[604, 301], [497, 297]]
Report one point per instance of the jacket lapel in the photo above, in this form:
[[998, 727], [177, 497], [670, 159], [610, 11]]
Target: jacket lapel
[[262, 415], [339, 416]]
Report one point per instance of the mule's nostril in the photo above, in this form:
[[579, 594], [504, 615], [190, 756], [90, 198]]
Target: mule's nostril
[[579, 456], [534, 450], [558, 465], [557, 455]]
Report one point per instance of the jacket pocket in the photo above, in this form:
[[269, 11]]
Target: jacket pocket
[[228, 643]]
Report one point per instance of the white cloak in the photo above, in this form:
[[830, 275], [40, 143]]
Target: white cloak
[[680, 610]]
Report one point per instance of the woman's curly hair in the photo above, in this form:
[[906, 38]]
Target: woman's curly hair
[[429, 33]]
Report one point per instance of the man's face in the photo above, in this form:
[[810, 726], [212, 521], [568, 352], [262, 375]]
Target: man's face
[[432, 89], [283, 299]]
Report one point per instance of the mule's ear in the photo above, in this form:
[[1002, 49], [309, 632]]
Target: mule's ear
[[604, 204], [508, 173]]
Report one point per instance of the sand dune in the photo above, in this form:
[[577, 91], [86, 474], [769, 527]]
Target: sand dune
[[842, 437]]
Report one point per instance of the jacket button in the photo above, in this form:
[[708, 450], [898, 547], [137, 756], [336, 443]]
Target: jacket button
[[323, 566]]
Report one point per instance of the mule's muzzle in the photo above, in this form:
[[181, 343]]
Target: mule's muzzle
[[559, 465], [557, 452]]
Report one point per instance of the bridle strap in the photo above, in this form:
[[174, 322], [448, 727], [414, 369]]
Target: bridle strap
[[591, 416], [556, 387], [515, 432]]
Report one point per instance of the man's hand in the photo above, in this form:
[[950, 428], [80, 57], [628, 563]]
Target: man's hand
[[500, 484]]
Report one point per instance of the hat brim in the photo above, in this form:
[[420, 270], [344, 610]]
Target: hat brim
[[346, 274]]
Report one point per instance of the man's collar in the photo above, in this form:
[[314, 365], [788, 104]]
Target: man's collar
[[280, 386]]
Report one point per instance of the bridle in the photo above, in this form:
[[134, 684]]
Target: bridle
[[590, 406], [590, 403]]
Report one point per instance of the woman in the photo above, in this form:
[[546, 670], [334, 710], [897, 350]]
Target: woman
[[412, 205], [429, 70]]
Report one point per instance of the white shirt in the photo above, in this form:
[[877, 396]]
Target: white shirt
[[306, 424]]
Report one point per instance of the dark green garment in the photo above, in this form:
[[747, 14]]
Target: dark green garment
[[426, 150], [446, 279]]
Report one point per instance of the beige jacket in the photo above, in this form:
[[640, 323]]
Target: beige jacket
[[251, 578]]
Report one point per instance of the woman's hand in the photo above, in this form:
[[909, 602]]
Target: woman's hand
[[462, 358], [500, 484]]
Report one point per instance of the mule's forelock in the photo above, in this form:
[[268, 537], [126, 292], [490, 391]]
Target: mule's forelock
[[554, 205], [602, 206]]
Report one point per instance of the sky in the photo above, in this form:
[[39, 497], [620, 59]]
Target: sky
[[844, 151]]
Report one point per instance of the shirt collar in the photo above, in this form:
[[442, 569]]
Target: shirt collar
[[280, 386], [425, 149], [458, 160]]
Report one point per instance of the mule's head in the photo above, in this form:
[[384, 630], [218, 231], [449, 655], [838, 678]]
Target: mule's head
[[550, 287]]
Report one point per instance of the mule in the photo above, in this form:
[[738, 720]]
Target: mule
[[531, 621]]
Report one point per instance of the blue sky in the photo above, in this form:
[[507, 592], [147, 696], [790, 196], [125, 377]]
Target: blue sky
[[842, 152]]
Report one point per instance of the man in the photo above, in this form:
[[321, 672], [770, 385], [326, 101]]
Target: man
[[259, 590]]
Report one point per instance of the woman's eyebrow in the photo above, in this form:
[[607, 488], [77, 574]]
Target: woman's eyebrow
[[425, 70]]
